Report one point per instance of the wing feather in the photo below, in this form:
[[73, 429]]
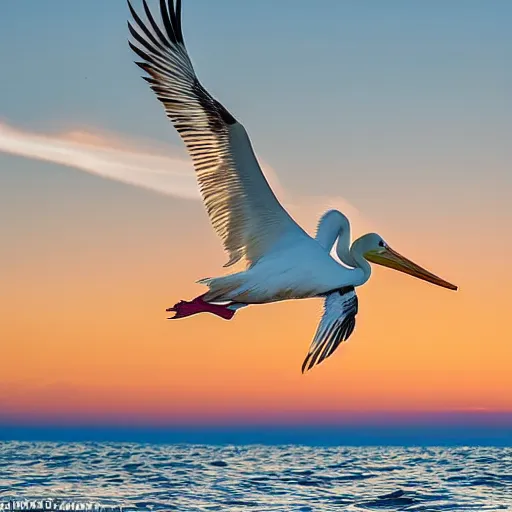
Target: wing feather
[[337, 324], [242, 207]]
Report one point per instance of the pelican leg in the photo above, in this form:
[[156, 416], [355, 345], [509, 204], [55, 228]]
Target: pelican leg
[[198, 305]]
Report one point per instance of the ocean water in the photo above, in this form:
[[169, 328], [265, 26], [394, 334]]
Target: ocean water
[[258, 478]]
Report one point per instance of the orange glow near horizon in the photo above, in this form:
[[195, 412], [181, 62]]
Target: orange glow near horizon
[[88, 339]]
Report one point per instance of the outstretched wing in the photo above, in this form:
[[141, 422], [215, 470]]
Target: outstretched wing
[[242, 207], [337, 324]]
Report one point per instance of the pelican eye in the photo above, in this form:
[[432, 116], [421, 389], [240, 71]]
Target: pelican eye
[[382, 243]]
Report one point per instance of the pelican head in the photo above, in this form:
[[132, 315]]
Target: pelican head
[[375, 250]]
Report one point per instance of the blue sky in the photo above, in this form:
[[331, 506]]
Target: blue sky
[[401, 83]]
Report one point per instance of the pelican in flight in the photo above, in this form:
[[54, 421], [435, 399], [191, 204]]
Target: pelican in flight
[[283, 261]]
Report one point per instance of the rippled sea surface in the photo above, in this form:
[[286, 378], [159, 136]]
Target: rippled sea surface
[[258, 478]]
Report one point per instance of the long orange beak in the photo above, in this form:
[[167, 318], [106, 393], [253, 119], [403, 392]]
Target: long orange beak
[[387, 257]]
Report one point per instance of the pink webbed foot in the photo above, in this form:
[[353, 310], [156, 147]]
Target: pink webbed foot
[[198, 305]]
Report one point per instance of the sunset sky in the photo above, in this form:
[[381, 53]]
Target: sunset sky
[[398, 113]]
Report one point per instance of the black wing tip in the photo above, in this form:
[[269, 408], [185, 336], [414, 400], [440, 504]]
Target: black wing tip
[[171, 19], [151, 43], [333, 340], [310, 361]]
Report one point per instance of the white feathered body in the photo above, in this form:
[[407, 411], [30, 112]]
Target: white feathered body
[[297, 267]]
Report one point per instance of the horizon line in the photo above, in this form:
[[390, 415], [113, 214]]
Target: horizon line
[[353, 436], [299, 419]]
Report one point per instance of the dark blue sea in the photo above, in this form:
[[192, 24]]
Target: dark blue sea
[[258, 478]]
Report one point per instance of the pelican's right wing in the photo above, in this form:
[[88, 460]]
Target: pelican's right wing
[[242, 207], [337, 324]]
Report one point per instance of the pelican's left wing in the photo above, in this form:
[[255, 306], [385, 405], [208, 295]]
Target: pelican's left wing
[[337, 324], [242, 207]]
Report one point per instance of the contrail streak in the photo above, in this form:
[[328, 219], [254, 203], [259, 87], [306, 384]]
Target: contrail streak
[[107, 158]]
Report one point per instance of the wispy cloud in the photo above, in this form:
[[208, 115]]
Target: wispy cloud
[[145, 165], [106, 156]]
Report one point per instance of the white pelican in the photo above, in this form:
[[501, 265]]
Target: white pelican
[[283, 261]]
